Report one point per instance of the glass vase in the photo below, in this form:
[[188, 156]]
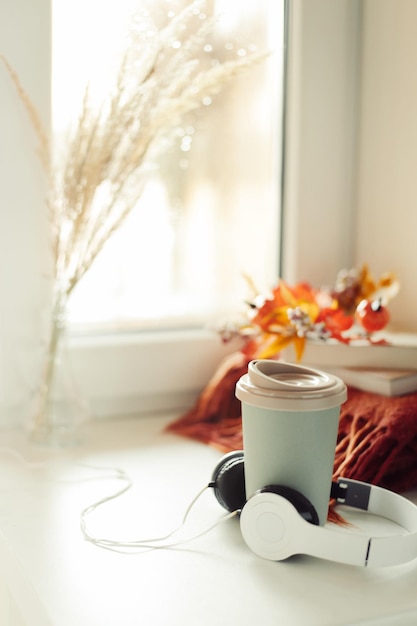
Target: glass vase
[[59, 410]]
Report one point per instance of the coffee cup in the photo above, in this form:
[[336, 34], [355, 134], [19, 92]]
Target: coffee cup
[[290, 417]]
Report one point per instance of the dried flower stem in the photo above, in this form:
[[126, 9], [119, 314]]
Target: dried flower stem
[[108, 154], [34, 118]]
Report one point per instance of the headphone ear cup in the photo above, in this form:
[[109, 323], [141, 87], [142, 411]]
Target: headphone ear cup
[[272, 521], [228, 481], [301, 504]]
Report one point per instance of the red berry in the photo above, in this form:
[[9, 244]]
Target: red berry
[[372, 315]]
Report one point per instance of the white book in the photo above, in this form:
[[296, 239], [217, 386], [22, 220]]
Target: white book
[[387, 382], [399, 353]]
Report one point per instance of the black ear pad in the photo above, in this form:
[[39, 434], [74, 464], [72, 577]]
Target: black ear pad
[[302, 504], [228, 481]]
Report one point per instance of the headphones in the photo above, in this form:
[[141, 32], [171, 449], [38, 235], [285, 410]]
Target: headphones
[[277, 521]]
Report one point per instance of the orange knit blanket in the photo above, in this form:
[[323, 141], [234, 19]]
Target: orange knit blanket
[[377, 440]]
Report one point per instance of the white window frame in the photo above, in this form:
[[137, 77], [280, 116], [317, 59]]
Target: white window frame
[[321, 138], [143, 372]]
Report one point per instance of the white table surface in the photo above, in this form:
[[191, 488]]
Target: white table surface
[[57, 578]]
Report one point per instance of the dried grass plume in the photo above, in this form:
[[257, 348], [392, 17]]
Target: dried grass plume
[[165, 73]]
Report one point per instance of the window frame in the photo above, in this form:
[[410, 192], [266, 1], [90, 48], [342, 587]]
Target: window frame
[[321, 135]]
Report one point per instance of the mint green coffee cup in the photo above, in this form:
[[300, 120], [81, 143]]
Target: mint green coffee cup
[[290, 418]]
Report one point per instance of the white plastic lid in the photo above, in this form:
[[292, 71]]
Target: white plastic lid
[[289, 387]]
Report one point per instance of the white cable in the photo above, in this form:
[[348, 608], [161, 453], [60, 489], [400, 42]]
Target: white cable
[[124, 546], [149, 544], [94, 506]]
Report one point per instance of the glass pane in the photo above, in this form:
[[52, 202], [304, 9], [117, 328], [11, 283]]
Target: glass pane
[[210, 212]]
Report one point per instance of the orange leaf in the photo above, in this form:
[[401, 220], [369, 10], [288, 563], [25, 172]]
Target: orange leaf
[[274, 347], [299, 345]]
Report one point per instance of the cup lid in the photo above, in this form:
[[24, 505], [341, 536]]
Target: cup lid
[[291, 387]]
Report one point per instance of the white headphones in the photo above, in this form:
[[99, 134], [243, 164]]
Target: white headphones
[[278, 522]]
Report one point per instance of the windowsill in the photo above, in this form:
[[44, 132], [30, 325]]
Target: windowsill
[[52, 577], [141, 372], [156, 371]]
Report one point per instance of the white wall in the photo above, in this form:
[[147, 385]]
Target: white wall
[[22, 275], [386, 223]]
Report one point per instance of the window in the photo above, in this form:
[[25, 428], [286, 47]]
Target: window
[[210, 213], [129, 372]]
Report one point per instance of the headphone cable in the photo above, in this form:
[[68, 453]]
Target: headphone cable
[[150, 544]]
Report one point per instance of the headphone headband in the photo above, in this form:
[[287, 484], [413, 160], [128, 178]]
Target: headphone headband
[[384, 550]]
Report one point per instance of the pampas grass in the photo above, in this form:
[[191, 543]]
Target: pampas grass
[[98, 176], [33, 116]]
